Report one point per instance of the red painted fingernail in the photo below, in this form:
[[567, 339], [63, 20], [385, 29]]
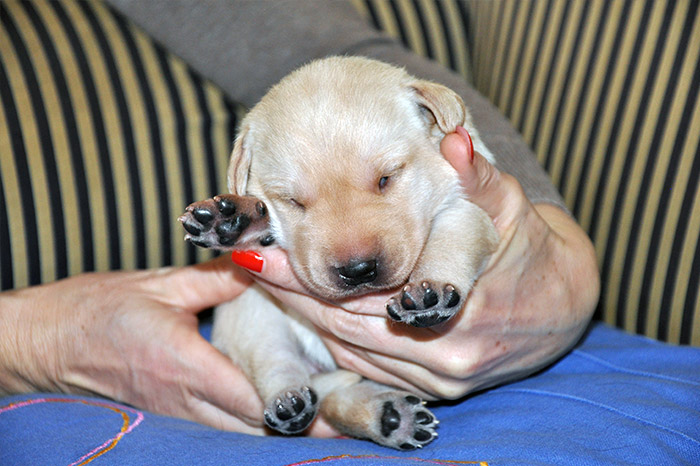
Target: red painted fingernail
[[468, 139], [251, 260]]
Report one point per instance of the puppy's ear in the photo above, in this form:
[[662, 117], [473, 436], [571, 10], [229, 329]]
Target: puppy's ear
[[239, 165], [442, 107]]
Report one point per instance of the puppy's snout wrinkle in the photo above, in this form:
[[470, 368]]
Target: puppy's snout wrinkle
[[358, 271]]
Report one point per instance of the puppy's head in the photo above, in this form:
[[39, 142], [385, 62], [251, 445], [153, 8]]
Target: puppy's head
[[345, 153]]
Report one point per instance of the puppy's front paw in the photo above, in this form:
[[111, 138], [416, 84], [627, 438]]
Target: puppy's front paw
[[226, 220], [404, 423], [425, 305], [292, 411]]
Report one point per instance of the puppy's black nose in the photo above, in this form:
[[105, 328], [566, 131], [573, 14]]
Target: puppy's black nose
[[357, 272]]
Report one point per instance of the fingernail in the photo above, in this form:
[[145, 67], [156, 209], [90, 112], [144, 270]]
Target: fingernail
[[468, 139], [250, 260]]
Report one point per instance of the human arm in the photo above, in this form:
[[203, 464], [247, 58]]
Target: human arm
[[129, 336]]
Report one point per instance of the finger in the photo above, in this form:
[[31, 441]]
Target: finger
[[499, 194], [206, 413], [223, 389], [380, 368], [275, 268]]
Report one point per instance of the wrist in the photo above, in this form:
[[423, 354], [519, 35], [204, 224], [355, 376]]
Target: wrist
[[578, 255], [24, 360], [11, 375]]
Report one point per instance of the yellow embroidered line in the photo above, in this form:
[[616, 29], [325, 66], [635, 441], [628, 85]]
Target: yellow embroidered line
[[125, 425], [379, 457], [106, 446]]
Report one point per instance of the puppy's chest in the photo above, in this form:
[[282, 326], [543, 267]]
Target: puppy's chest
[[310, 343]]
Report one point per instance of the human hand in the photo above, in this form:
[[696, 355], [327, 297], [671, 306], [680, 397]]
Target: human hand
[[531, 304], [132, 337]]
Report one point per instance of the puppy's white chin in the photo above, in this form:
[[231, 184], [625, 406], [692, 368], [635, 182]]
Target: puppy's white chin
[[339, 292]]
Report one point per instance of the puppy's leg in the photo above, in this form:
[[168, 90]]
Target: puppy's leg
[[226, 220], [460, 243], [257, 336], [366, 409]]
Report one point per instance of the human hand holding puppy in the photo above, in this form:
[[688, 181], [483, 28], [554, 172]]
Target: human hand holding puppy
[[131, 336], [530, 305]]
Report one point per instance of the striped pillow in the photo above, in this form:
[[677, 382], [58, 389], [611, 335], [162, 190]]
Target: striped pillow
[[104, 138]]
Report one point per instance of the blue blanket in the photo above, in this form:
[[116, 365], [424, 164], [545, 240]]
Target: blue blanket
[[615, 399]]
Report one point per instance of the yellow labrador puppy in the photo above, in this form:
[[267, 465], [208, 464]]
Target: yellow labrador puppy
[[339, 164]]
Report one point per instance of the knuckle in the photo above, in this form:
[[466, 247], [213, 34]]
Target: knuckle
[[449, 389], [458, 367]]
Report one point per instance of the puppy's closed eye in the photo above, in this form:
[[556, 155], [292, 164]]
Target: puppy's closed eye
[[388, 178], [296, 204], [383, 181]]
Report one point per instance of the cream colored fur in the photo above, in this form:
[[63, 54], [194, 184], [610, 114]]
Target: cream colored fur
[[317, 150]]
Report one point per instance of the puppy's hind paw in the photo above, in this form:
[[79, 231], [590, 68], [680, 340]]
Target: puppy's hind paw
[[292, 411], [425, 305], [226, 220], [405, 424]]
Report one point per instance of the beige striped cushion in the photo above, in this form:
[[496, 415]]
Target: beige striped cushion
[[606, 93], [104, 138]]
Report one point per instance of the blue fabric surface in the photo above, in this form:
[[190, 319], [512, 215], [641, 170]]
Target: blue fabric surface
[[616, 399]]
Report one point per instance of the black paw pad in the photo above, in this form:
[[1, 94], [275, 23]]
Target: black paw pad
[[391, 419], [424, 305], [226, 220], [292, 411], [404, 422]]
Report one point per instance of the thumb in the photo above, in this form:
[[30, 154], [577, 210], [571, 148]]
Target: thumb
[[270, 265], [197, 287], [498, 194]]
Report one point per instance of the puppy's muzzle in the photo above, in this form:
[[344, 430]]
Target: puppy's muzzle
[[357, 272]]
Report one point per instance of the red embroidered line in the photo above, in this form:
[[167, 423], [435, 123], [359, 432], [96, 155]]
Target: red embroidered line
[[379, 457], [106, 446]]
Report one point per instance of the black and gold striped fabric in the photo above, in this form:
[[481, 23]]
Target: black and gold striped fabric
[[104, 136], [104, 139], [606, 93], [437, 29]]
